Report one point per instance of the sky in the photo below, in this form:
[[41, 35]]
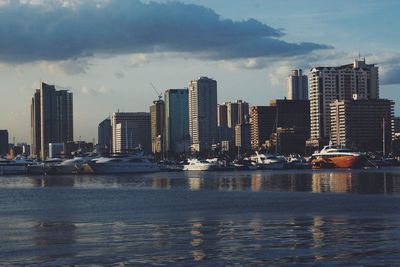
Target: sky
[[109, 52]]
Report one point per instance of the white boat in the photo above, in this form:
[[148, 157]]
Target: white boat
[[69, 166], [199, 165], [15, 166], [268, 161], [42, 167], [132, 163], [297, 162]]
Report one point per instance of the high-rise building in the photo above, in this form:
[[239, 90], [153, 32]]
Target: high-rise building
[[328, 84], [3, 142], [203, 113], [243, 137], [297, 86], [51, 118], [238, 113], [131, 130], [292, 126], [262, 124], [363, 124], [177, 138], [104, 133], [35, 124], [157, 126], [222, 115]]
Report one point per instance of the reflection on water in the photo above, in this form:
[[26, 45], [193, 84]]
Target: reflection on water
[[50, 235], [338, 181], [209, 219]]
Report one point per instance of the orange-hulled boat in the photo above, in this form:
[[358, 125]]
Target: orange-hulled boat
[[335, 157]]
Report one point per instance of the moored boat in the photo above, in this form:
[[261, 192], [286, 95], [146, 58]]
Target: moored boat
[[199, 165], [15, 166], [131, 163], [336, 157], [268, 161]]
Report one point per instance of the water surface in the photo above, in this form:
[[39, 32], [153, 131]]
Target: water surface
[[329, 218]]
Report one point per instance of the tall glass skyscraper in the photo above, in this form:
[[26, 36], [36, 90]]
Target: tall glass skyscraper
[[176, 121], [51, 118], [297, 86]]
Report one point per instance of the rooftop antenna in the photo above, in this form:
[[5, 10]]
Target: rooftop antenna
[[159, 95]]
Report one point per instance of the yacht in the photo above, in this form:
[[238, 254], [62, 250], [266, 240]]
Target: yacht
[[14, 166], [199, 165], [69, 166], [244, 164], [336, 157], [297, 162], [42, 167], [131, 163], [268, 161]]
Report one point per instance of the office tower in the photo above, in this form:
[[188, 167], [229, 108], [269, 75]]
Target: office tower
[[3, 142], [203, 113], [328, 84], [243, 137], [131, 130], [297, 86], [396, 124], [262, 124], [292, 126], [222, 115], [104, 133], [56, 150], [157, 126], [177, 139], [363, 124], [51, 118], [237, 113], [243, 112], [35, 124]]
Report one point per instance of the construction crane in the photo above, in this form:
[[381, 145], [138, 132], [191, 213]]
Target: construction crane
[[156, 91]]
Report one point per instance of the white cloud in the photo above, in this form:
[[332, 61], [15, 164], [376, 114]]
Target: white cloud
[[67, 67], [95, 91]]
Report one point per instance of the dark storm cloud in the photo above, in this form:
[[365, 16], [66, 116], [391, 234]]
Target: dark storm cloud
[[52, 32]]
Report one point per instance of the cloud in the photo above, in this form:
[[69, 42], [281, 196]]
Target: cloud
[[63, 30], [94, 91], [69, 67], [391, 75], [119, 74]]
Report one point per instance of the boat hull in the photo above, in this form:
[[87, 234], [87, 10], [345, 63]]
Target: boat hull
[[115, 169], [198, 168], [337, 162], [13, 169], [272, 166]]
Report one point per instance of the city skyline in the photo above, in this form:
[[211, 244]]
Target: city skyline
[[121, 79]]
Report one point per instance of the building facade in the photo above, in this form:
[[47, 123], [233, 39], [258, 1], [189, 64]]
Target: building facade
[[3, 143], [328, 84], [243, 137], [202, 114], [51, 118], [364, 124], [157, 126], [177, 140], [104, 136], [297, 86], [292, 126], [262, 124], [222, 115], [131, 130]]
